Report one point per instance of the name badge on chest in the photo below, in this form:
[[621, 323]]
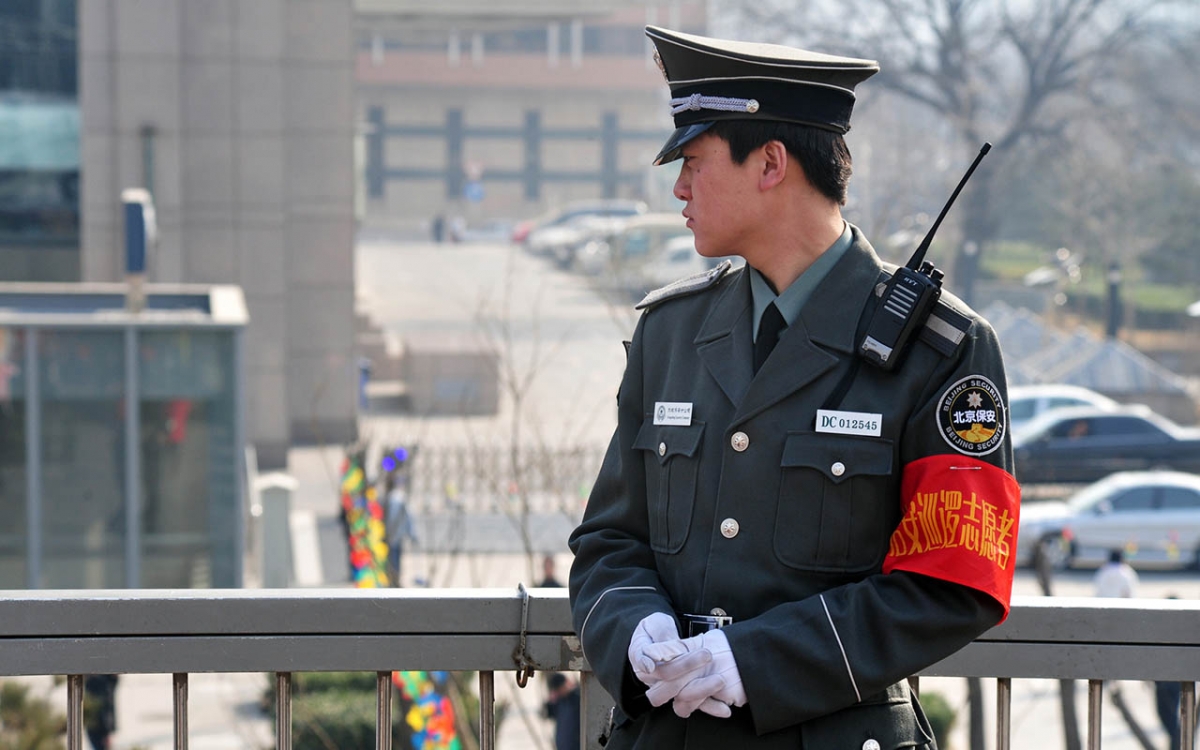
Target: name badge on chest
[[673, 412], [849, 422]]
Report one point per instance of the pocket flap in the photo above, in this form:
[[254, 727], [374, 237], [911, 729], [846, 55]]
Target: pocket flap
[[838, 457], [891, 725], [665, 440]]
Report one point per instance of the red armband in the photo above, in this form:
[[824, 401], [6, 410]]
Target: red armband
[[959, 524]]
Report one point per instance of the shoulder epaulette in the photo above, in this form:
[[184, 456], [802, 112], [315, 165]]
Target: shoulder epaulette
[[945, 329], [685, 286]]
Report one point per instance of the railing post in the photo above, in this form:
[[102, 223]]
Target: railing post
[[383, 711], [75, 712], [487, 710], [1187, 715], [283, 711], [180, 691], [1095, 698], [1003, 712], [595, 708]]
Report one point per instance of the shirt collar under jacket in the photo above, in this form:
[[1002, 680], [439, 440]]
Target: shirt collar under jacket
[[793, 298]]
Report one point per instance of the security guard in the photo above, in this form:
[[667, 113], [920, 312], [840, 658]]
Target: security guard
[[780, 533]]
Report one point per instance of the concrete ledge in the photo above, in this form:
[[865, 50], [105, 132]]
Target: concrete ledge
[[453, 376]]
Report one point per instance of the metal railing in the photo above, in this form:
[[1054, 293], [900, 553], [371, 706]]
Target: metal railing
[[494, 630]]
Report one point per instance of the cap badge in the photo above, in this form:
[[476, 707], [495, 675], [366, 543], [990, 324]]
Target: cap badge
[[662, 68]]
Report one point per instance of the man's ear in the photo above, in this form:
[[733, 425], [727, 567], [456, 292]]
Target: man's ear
[[774, 165]]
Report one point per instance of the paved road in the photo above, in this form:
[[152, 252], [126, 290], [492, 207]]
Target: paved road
[[420, 289], [562, 340]]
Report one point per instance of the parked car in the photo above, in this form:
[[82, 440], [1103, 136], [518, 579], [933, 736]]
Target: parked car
[[571, 238], [1025, 402], [1153, 516], [678, 260], [616, 260], [529, 233], [1086, 443]]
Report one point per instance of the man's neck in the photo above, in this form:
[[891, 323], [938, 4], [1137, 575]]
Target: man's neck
[[802, 238]]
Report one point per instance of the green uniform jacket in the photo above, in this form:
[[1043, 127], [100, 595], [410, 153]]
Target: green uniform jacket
[[787, 535]]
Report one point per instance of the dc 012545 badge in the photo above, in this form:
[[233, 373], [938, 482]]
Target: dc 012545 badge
[[971, 416]]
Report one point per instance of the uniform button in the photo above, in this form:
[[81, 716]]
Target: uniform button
[[837, 470], [870, 745], [729, 528], [718, 612], [740, 441], [662, 449]]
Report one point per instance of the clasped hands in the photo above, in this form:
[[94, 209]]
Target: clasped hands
[[697, 673]]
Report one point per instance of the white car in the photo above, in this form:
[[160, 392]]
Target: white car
[[678, 260], [1153, 516], [1025, 402]]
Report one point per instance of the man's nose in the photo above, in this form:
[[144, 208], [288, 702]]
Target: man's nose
[[682, 190]]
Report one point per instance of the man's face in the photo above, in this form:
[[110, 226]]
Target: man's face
[[720, 196]]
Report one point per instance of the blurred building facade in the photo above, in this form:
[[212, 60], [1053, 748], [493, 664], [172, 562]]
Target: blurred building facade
[[246, 120], [504, 109], [238, 116], [39, 141]]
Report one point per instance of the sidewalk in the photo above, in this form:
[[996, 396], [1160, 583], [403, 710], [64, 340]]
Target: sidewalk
[[574, 393]]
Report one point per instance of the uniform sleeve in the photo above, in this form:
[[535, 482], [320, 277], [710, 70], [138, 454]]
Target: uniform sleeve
[[804, 659], [613, 581]]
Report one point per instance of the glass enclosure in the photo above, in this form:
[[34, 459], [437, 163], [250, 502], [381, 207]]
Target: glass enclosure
[[120, 452]]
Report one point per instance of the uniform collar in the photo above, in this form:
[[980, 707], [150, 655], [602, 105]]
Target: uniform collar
[[831, 313], [791, 300], [828, 319]]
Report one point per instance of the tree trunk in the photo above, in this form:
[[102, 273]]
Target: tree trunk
[[978, 230], [1066, 688], [975, 706], [1118, 700], [1066, 697]]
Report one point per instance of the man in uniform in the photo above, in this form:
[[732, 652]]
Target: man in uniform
[[781, 532]]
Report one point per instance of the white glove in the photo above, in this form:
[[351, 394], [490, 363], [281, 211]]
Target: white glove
[[654, 628], [698, 673]]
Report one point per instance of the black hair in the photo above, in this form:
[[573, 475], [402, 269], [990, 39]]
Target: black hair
[[822, 154]]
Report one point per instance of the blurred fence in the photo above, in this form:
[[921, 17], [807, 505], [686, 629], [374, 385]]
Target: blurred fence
[[494, 479]]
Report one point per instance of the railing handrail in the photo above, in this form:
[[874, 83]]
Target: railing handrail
[[381, 630], [268, 630]]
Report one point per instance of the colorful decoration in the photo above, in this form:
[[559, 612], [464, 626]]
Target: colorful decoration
[[428, 711], [430, 714], [363, 517]]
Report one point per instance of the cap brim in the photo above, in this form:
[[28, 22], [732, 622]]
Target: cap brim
[[671, 151]]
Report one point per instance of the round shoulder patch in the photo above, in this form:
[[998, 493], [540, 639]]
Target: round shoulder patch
[[971, 416]]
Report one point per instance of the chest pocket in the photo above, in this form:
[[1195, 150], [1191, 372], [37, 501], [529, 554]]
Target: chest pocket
[[672, 461], [837, 502]]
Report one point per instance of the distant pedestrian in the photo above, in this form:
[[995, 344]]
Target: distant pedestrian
[[1116, 579], [100, 709], [399, 526], [549, 579], [1166, 704], [563, 708]]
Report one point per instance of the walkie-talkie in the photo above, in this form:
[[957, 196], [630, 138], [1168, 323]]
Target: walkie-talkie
[[908, 297]]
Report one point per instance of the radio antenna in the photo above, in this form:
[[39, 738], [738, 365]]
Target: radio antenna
[[919, 256]]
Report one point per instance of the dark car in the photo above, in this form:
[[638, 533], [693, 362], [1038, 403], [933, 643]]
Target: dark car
[[1084, 444]]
